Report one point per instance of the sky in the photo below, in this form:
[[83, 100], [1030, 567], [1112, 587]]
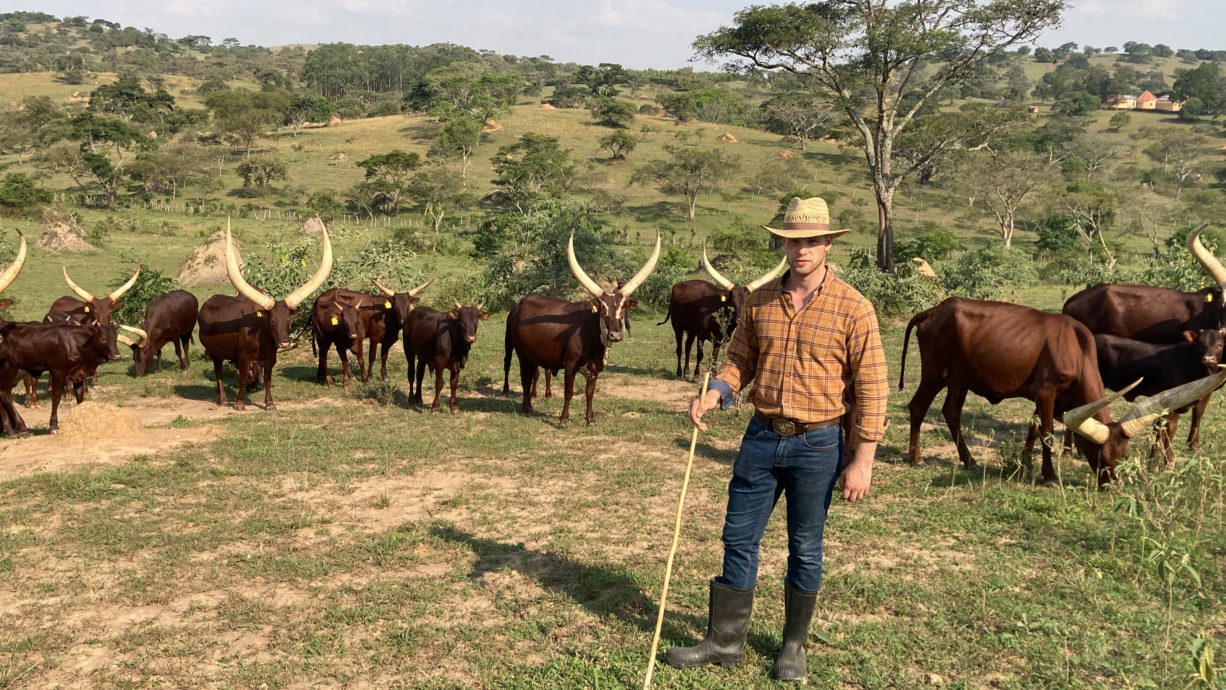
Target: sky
[[634, 33]]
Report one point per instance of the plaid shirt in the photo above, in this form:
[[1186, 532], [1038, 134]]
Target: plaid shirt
[[805, 362]]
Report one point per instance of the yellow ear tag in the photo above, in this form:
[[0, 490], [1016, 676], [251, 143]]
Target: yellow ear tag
[[595, 308], [387, 305], [336, 321], [87, 309], [1208, 298], [259, 315], [723, 298]]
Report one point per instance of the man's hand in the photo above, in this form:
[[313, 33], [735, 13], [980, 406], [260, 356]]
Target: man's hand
[[858, 474], [700, 406]]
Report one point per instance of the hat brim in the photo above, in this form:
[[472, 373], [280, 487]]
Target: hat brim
[[797, 234]]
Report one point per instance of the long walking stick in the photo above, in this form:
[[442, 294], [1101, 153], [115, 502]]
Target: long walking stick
[[668, 569]]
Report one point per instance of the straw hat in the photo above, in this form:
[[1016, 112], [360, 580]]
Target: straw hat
[[807, 218]]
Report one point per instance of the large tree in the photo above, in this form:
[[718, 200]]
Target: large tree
[[689, 172], [870, 56], [1004, 181]]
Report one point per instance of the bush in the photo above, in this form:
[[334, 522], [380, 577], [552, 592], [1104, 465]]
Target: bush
[[149, 284], [931, 245], [988, 273], [892, 295], [20, 194]]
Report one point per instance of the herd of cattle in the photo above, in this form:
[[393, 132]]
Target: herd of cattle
[[1134, 340]]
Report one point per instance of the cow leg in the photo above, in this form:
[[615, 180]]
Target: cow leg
[[321, 372], [569, 392], [698, 359], [589, 390], [159, 358], [549, 374], [12, 422], [78, 391], [383, 348], [918, 407], [409, 363], [31, 383], [527, 378], [362, 368], [1198, 412], [421, 375], [342, 353], [677, 335], [57, 391], [221, 390], [1045, 407], [246, 372], [455, 382], [268, 403], [955, 398], [536, 376], [438, 387], [184, 359], [689, 343]]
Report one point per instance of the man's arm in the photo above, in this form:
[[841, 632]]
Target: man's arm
[[859, 472], [738, 370]]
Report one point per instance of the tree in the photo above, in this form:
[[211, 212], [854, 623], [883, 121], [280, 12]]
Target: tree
[[1206, 84], [19, 192], [536, 166], [610, 112], [439, 191], [689, 172], [618, 144], [1119, 121], [1180, 154], [798, 114], [868, 55], [1095, 153], [603, 79], [260, 172], [103, 144], [1004, 181], [391, 172], [246, 115], [167, 169], [1080, 103], [459, 137]]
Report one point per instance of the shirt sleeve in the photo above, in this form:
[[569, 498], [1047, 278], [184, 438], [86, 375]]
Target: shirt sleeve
[[866, 359], [742, 361]]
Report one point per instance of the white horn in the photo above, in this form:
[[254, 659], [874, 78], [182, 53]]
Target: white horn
[[123, 338], [1206, 259], [1144, 413], [1081, 419], [237, 280], [589, 284], [633, 284], [10, 274], [141, 335], [76, 288], [119, 291], [716, 275], [296, 297], [419, 288], [385, 291], [768, 276]]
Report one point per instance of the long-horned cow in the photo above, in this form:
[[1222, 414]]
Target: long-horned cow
[[702, 311], [552, 334], [9, 419], [249, 330], [1157, 315], [169, 319], [998, 350], [441, 341]]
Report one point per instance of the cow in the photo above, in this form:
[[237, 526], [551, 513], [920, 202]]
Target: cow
[[335, 322], [553, 334], [702, 311], [70, 352], [9, 419], [998, 350], [383, 317], [249, 330], [1157, 315], [440, 340], [169, 318]]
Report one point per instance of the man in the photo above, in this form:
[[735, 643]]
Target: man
[[808, 340]]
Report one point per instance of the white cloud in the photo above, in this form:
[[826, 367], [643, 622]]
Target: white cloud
[[1144, 9]]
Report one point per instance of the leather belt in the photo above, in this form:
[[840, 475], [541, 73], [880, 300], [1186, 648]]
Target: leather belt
[[787, 427]]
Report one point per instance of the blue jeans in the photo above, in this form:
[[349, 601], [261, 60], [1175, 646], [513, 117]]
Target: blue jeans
[[803, 467]]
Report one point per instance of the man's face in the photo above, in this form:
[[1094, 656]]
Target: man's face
[[806, 254]]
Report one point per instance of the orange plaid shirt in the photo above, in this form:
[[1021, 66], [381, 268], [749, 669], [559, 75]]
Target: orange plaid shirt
[[804, 362]]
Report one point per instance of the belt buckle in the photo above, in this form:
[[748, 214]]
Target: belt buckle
[[783, 427]]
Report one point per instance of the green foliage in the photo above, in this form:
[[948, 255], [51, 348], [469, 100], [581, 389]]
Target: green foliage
[[689, 172], [618, 144], [149, 284], [1080, 103], [930, 245], [20, 193], [260, 172], [1176, 268], [988, 273], [610, 112], [534, 167], [898, 295], [603, 79]]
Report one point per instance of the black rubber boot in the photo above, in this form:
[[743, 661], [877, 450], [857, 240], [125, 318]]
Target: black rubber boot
[[727, 625], [798, 612]]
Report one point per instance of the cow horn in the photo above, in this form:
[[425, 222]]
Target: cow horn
[[142, 336], [723, 282], [123, 338], [76, 288], [1206, 259], [419, 288], [589, 284], [1144, 413], [236, 277], [385, 291], [119, 291], [10, 274], [458, 305], [768, 276], [1081, 419], [633, 284], [296, 297]]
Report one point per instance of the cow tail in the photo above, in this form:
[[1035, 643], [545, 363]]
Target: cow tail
[[313, 350], [667, 313], [906, 338], [506, 357]]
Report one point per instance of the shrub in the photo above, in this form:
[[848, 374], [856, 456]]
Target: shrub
[[892, 295], [988, 273], [149, 284], [19, 193], [931, 245]]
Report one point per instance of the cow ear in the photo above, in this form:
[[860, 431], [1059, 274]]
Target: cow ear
[[1189, 336], [5, 304], [117, 306], [414, 300], [484, 315], [632, 303], [452, 315]]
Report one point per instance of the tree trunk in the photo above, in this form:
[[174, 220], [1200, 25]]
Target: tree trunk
[[693, 202], [885, 229]]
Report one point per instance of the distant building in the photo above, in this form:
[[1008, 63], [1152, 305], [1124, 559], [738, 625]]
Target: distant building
[[1165, 104], [1145, 101], [1121, 102]]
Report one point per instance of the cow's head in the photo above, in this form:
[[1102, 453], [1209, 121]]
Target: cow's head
[[102, 341], [138, 340], [401, 302], [468, 318], [1104, 442], [1209, 346], [100, 309], [278, 313], [736, 295], [611, 306]]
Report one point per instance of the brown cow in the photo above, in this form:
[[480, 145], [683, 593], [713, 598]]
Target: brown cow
[[552, 334], [9, 419], [250, 329], [169, 318], [382, 319], [71, 352], [440, 340], [998, 350], [1157, 315], [702, 311], [335, 322]]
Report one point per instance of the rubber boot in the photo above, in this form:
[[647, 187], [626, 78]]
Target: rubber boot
[[727, 626], [798, 612]]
